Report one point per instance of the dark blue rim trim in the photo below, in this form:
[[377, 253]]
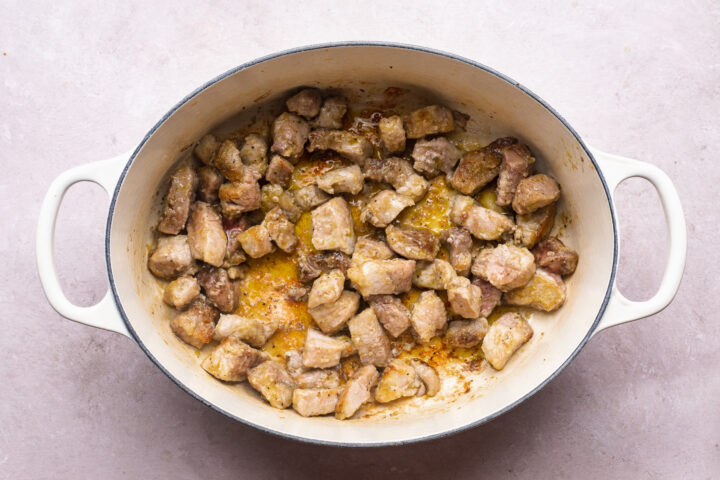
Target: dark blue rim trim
[[362, 44]]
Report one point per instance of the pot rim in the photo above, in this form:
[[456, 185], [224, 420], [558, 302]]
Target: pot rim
[[401, 46]]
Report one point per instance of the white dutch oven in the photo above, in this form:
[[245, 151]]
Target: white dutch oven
[[497, 105]]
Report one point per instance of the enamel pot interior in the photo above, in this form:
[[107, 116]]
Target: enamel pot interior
[[497, 107]]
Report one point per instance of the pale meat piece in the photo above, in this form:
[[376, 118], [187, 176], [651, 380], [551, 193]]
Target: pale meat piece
[[231, 360], [391, 312], [435, 156], [297, 293], [382, 277], [280, 229], [475, 170], [181, 291], [289, 133], [332, 225], [171, 257], [517, 164], [483, 223], [356, 392], [309, 197], [327, 288], [367, 248], [273, 382], [491, 296], [398, 173], [218, 288], [321, 351], [306, 103], [555, 257], [279, 171], [272, 196], [429, 377], [255, 331], [369, 338], [535, 192], [331, 113], [209, 179], [392, 133], [206, 149], [545, 291], [229, 162], [312, 266], [504, 337], [237, 198], [413, 243], [349, 348], [331, 317], [428, 316], [314, 402], [464, 297], [532, 227], [459, 244], [429, 121], [466, 333], [256, 241], [398, 380], [293, 363], [350, 145], [506, 267], [318, 378], [178, 200], [436, 275], [195, 326], [254, 153], [384, 207], [342, 180]]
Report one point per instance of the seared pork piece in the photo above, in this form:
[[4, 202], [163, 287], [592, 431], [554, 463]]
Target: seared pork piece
[[331, 113], [230, 164], [238, 197], [231, 360], [382, 277], [254, 153], [475, 170], [321, 351], [459, 243], [318, 378], [506, 266], [398, 380], [435, 156], [206, 235], [279, 171], [350, 145], [171, 257], [332, 225], [356, 392], [428, 315], [545, 291], [256, 241], [273, 382], [289, 133], [398, 173], [314, 402], [218, 288], [177, 201], [255, 331], [391, 312], [555, 257], [195, 325], [349, 348], [483, 223], [436, 275], [305, 103], [504, 337], [516, 165], [234, 254], [535, 192], [209, 184], [206, 149], [491, 296], [369, 338], [297, 293], [534, 226], [429, 121], [293, 362], [392, 133], [309, 197], [384, 207], [180, 292], [412, 243], [464, 297], [466, 333], [342, 180], [429, 377], [331, 317], [312, 266], [327, 288], [368, 249], [272, 196], [281, 230]]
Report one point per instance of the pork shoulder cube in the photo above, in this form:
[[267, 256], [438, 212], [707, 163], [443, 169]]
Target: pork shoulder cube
[[318, 378], [350, 145], [234, 254], [384, 207], [412, 243], [327, 288], [279, 171], [391, 312], [254, 153], [554, 256], [206, 149], [475, 170], [356, 392], [321, 351], [289, 133], [545, 291], [535, 192], [280, 229], [483, 223], [517, 164], [206, 234], [331, 317], [309, 197], [255, 331], [312, 266], [459, 244], [218, 288], [209, 179], [273, 382], [367, 248], [436, 275], [466, 333], [369, 338], [530, 228], [504, 337], [272, 196], [332, 225], [314, 402], [435, 156], [342, 180], [229, 162], [399, 379], [382, 277], [429, 121], [306, 103], [195, 325], [331, 113], [231, 360], [181, 291], [464, 297], [256, 241], [491, 296], [398, 173], [180, 196], [428, 316], [171, 257], [392, 133], [239, 197], [506, 267], [429, 377]]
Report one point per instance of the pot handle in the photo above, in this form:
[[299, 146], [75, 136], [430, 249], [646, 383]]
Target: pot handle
[[104, 314], [615, 169]]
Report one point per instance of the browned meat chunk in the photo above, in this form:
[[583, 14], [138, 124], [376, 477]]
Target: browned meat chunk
[[356, 392], [332, 225], [534, 226], [428, 316], [535, 192], [331, 317], [256, 241], [305, 103], [195, 325], [466, 333], [289, 133], [413, 243], [321, 351], [318, 378], [281, 230], [391, 312], [209, 184], [436, 275], [392, 133], [273, 382], [177, 201], [504, 337], [229, 162], [206, 149], [181, 291], [309, 197], [369, 338], [272, 196], [382, 277], [398, 173], [255, 331], [506, 266], [459, 243], [398, 380], [429, 121], [171, 257], [475, 170], [279, 171], [554, 256], [234, 254], [483, 223], [342, 180], [314, 402], [332, 113], [237, 198], [368, 249], [384, 207], [218, 288], [435, 156], [350, 145], [491, 297], [327, 288], [516, 165], [231, 360], [464, 297], [254, 153], [312, 266], [429, 377], [297, 293], [545, 291]]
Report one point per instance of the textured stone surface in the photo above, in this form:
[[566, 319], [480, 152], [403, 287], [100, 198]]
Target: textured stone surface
[[82, 81]]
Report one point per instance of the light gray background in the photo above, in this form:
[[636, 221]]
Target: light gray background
[[83, 81]]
